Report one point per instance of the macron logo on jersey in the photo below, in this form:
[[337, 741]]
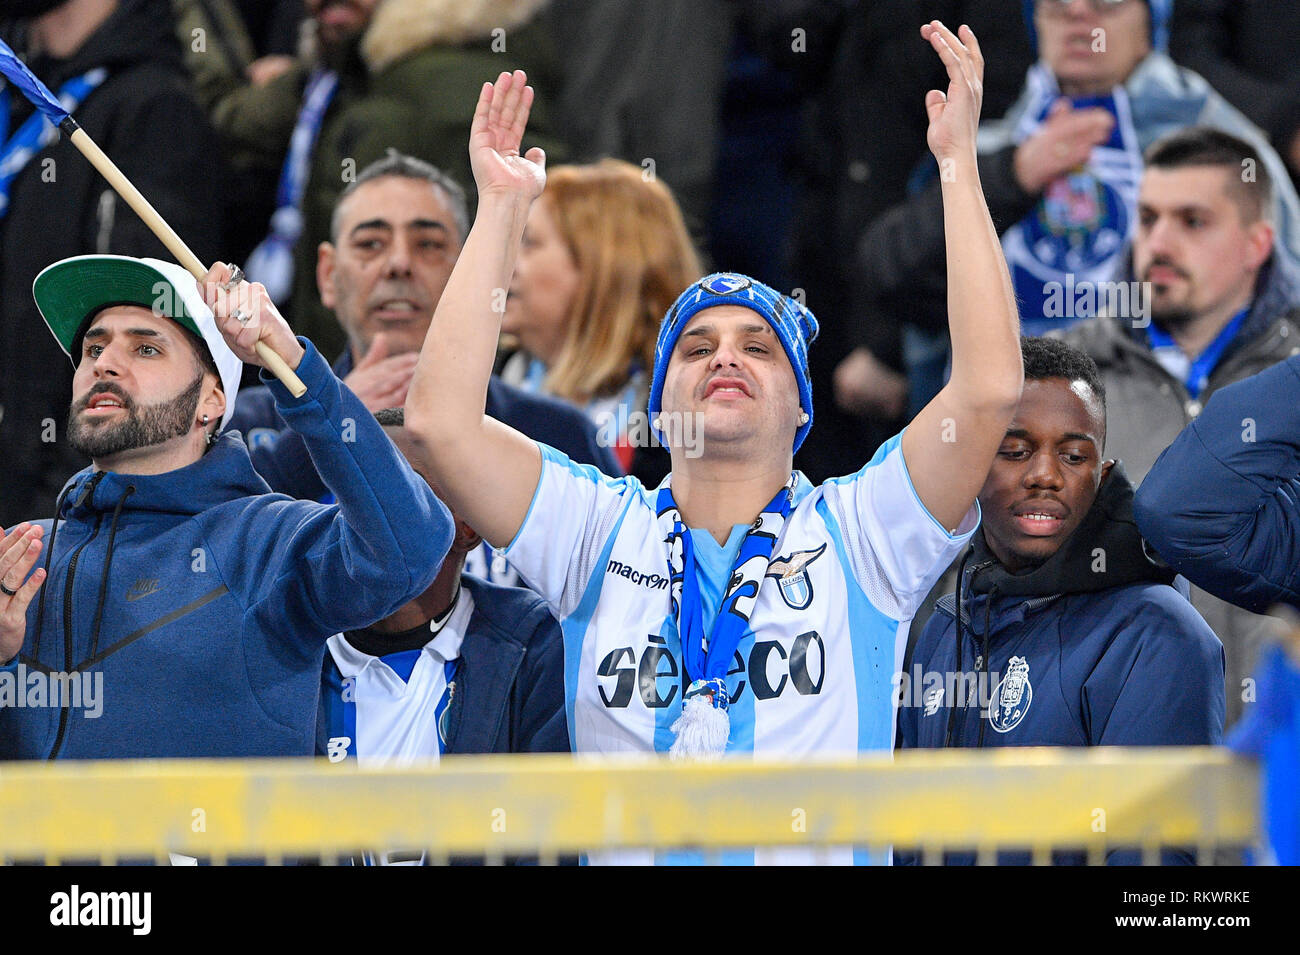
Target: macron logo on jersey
[[653, 581]]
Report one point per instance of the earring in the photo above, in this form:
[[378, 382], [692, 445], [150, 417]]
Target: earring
[[803, 417], [655, 423], [209, 437]]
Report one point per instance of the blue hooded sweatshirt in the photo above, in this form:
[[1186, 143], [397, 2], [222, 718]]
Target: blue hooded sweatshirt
[[199, 602], [1092, 648]]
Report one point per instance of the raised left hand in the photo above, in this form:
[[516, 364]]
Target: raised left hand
[[955, 115], [496, 135]]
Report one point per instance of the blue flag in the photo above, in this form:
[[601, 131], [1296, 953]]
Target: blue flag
[[17, 73]]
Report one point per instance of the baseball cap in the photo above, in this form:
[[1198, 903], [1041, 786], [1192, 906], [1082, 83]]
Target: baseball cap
[[72, 291]]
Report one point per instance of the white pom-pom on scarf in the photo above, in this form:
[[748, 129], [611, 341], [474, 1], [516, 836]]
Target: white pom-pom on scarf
[[704, 726]]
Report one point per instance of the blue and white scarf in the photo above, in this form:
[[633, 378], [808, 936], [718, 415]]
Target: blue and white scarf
[[1076, 234], [37, 132], [271, 263], [704, 727], [1193, 372]]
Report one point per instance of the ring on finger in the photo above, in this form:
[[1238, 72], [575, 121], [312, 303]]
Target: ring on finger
[[7, 592], [236, 276], [239, 316]]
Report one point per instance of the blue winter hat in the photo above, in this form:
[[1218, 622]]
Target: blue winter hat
[[794, 324], [1161, 11]]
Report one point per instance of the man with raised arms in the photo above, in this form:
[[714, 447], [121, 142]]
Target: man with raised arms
[[664, 595]]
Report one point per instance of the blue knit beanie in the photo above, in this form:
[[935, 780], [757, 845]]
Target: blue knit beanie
[[1161, 11], [794, 325]]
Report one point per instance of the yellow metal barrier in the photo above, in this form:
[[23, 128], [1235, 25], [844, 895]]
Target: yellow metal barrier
[[1042, 798]]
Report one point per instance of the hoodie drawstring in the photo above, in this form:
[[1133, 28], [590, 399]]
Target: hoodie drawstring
[[952, 704], [49, 553], [108, 563], [984, 657]]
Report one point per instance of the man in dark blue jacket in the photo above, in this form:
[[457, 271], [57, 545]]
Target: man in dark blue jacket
[[465, 667], [182, 608], [1063, 631]]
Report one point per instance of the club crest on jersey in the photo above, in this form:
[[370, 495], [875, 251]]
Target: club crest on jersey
[[726, 284], [792, 575], [1011, 696]]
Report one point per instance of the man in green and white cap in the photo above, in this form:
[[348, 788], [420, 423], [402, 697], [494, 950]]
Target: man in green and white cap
[[116, 291], [187, 605]]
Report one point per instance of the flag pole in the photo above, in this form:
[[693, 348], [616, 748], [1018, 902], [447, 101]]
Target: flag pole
[[167, 235]]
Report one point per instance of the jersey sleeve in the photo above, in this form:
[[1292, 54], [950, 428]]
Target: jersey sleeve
[[896, 547], [575, 509]]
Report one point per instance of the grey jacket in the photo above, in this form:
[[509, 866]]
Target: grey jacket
[[1146, 408]]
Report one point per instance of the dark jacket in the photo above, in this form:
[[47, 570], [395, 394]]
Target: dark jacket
[[1116, 656], [281, 457], [1093, 648], [1222, 504], [860, 154], [202, 601], [145, 118], [509, 694], [1245, 50]]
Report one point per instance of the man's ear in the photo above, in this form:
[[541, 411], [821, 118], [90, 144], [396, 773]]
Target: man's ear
[[213, 403], [325, 253], [1105, 469], [1260, 239]]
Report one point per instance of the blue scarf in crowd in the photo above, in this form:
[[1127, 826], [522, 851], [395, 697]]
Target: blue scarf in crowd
[[704, 726], [37, 132], [1074, 238], [271, 263]]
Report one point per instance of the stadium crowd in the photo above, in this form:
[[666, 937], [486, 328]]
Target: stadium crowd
[[998, 380]]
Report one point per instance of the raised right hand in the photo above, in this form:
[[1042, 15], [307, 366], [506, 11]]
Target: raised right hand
[[495, 136], [380, 379], [18, 552]]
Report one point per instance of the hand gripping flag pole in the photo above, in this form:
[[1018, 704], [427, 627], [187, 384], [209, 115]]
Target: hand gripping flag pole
[[17, 73]]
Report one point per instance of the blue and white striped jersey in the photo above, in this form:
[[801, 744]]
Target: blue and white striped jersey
[[389, 709], [393, 708], [814, 672]]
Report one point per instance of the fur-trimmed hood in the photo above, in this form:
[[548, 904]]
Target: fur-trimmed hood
[[401, 27]]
